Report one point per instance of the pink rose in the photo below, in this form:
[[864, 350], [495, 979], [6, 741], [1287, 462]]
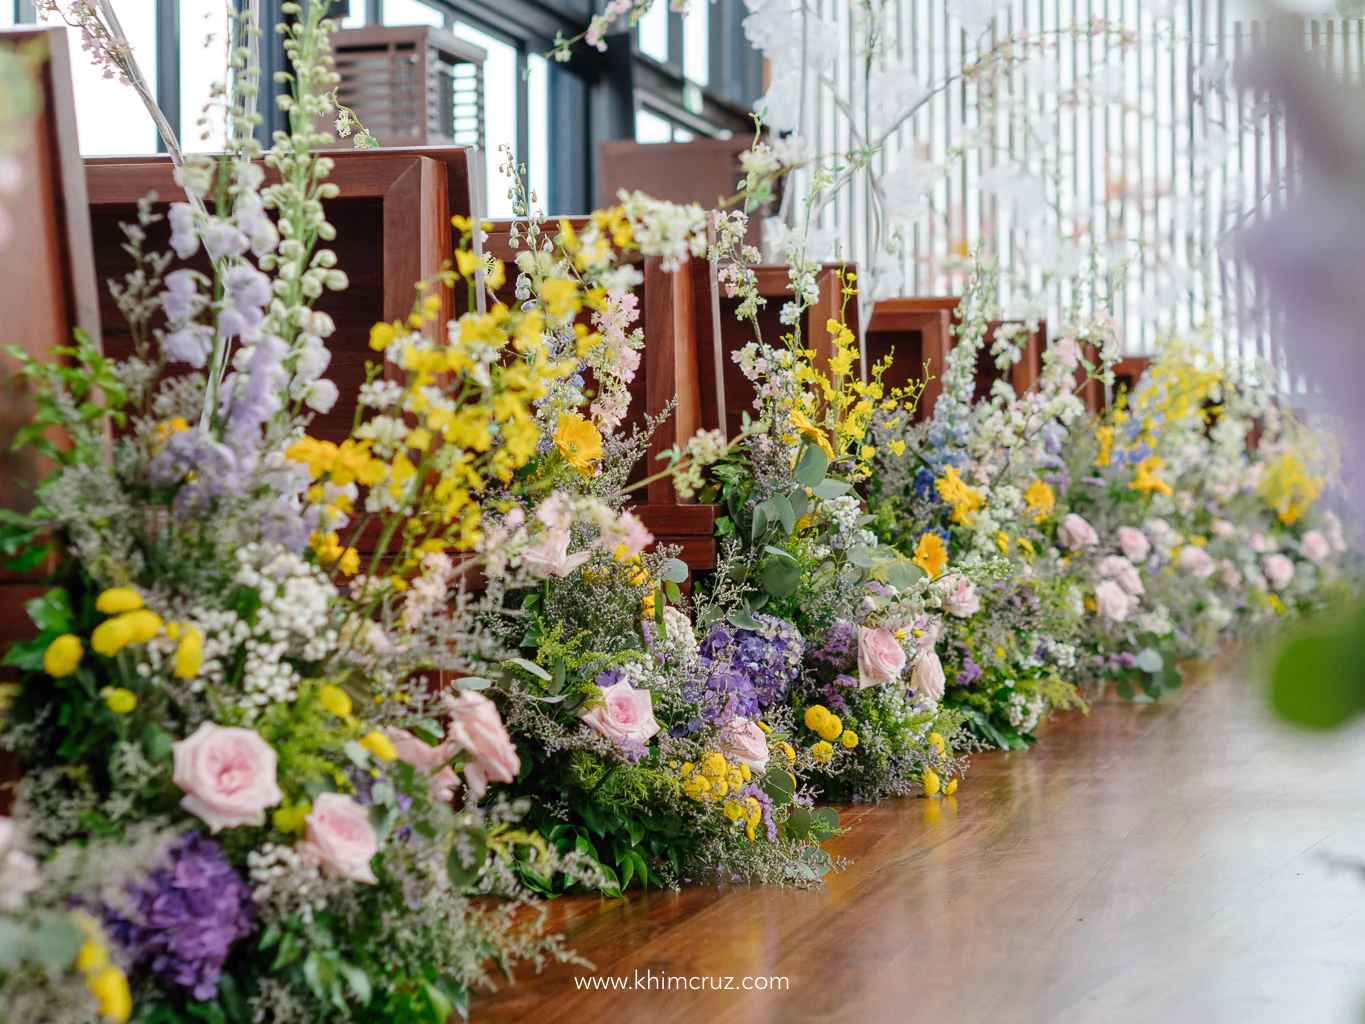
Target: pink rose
[[1111, 602], [1124, 573], [1315, 547], [228, 775], [881, 659], [1230, 574], [1197, 562], [1076, 534], [409, 749], [1279, 570], [1134, 544], [550, 556], [1224, 529], [927, 677], [624, 714], [340, 838], [1259, 543], [745, 742], [476, 728], [963, 601]]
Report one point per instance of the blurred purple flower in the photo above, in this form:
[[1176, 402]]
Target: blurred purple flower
[[185, 917]]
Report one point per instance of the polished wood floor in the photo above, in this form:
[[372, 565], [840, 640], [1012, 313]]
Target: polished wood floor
[[1169, 863]]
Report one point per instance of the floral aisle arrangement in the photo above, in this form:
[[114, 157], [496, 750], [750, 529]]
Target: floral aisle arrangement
[[237, 770], [652, 753], [305, 725]]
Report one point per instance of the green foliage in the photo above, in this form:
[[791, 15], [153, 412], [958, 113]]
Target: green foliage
[[1318, 679]]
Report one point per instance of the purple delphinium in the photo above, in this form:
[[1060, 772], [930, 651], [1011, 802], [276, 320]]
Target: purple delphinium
[[757, 667], [186, 916], [765, 803]]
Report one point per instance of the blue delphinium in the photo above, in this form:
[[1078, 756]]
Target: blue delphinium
[[185, 917]]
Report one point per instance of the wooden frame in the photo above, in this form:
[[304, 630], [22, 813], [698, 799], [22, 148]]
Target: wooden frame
[[47, 291], [393, 216], [895, 321], [724, 403]]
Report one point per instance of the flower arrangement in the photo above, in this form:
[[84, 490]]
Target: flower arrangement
[[307, 726]]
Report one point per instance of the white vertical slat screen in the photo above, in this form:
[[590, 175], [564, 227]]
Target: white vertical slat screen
[[1152, 144]]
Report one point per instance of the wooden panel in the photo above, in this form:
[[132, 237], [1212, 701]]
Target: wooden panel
[[47, 273], [775, 286], [47, 290]]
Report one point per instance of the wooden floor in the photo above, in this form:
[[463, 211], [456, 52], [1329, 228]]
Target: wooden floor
[[1169, 863]]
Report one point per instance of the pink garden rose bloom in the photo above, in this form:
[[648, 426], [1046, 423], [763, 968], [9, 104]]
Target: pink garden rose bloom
[[442, 780], [745, 742], [1315, 547], [881, 659], [1197, 562], [927, 677], [1134, 544], [1124, 573], [1076, 534], [1224, 529], [624, 714], [340, 838], [1229, 573], [964, 602], [1111, 602], [550, 556], [476, 728], [1259, 543], [1279, 570], [228, 775]]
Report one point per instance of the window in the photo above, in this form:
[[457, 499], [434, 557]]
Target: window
[[203, 60], [501, 90]]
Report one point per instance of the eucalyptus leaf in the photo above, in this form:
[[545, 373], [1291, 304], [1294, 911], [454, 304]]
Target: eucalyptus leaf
[[1149, 660], [861, 556], [811, 467], [799, 500], [474, 683], [781, 577], [760, 524], [786, 515], [831, 489], [674, 570], [529, 667]]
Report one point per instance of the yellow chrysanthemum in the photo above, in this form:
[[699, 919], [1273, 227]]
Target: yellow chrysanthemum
[[930, 781], [190, 654], [63, 655], [936, 741], [823, 751], [849, 739], [950, 787], [120, 700], [135, 627], [830, 728], [336, 700], [379, 745], [931, 554], [815, 716], [118, 599]]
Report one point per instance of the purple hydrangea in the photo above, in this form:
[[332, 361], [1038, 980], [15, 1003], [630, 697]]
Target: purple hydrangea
[[840, 649], [752, 669], [185, 917]]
